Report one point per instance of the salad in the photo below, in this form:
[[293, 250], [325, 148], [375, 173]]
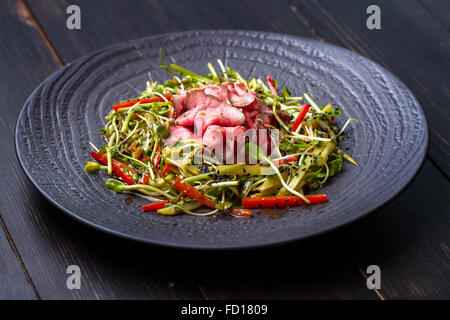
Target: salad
[[219, 143]]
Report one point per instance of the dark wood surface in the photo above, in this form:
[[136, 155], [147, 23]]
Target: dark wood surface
[[408, 238]]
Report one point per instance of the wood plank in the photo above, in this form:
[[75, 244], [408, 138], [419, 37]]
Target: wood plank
[[126, 20], [322, 267], [440, 9], [184, 267], [412, 44], [409, 240], [412, 250], [48, 241], [317, 268], [13, 280]]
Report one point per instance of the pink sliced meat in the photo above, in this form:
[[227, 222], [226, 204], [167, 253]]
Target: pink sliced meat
[[178, 102], [223, 115], [178, 133], [194, 102], [187, 118], [257, 115], [239, 95], [220, 92], [179, 99], [204, 110], [200, 98], [223, 141]]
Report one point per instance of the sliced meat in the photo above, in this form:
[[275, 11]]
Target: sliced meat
[[187, 118], [199, 98], [179, 99], [220, 92], [227, 105], [257, 115], [178, 133], [204, 110], [223, 141], [194, 102], [178, 102], [223, 115], [239, 94]]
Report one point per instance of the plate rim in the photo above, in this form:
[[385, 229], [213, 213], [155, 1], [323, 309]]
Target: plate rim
[[223, 32]]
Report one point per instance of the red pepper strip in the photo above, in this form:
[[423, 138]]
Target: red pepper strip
[[241, 212], [117, 166], [145, 178], [301, 116], [272, 85], [281, 201], [285, 160], [132, 146], [193, 193], [132, 102], [154, 206], [166, 168], [156, 159], [144, 159]]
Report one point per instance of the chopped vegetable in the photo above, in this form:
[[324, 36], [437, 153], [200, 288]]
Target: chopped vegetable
[[164, 144], [241, 212], [192, 193], [281, 201], [120, 169], [301, 116], [154, 206], [272, 85], [132, 102]]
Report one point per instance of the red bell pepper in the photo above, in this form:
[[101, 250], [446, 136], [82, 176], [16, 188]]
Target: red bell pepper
[[301, 116], [272, 85], [241, 212], [145, 178], [285, 160], [166, 168], [154, 206], [156, 159], [132, 102], [120, 169], [281, 201], [193, 193], [133, 145]]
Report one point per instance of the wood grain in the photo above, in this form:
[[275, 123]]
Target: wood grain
[[412, 249], [115, 268], [409, 240], [48, 241], [20, 56], [126, 20], [13, 276], [413, 43]]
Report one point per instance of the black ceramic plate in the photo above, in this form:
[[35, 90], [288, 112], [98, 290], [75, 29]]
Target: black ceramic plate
[[65, 112]]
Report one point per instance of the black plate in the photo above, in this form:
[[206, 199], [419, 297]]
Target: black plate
[[65, 112]]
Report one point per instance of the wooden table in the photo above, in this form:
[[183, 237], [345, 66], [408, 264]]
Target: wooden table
[[408, 238]]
